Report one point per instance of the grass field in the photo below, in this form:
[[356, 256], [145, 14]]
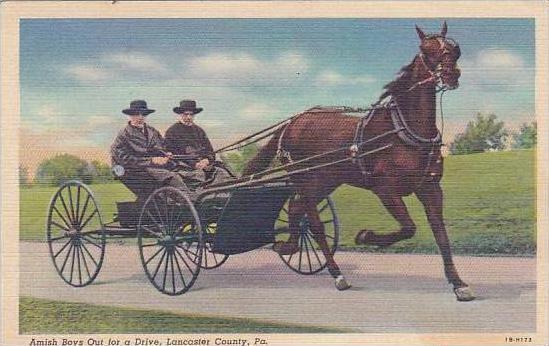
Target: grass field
[[490, 202], [39, 316]]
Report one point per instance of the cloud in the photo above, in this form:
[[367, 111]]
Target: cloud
[[245, 69], [494, 69], [498, 58], [333, 78], [117, 66], [134, 61], [85, 73], [255, 111]]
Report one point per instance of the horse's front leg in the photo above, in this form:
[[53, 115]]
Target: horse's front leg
[[318, 231], [430, 195], [396, 207]]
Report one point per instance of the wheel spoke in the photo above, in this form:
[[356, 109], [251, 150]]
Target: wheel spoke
[[79, 267], [187, 249], [89, 254], [59, 226], [328, 221], [326, 204], [61, 216], [166, 270], [91, 242], [77, 204], [81, 216], [153, 219], [71, 202], [300, 251], [179, 270], [85, 264], [67, 257], [153, 256], [60, 194], [185, 262], [59, 238], [159, 264], [88, 219], [158, 210], [63, 248], [72, 262], [150, 231], [307, 251], [173, 273], [314, 251]]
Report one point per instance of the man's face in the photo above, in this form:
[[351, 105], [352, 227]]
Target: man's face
[[137, 120], [186, 118]]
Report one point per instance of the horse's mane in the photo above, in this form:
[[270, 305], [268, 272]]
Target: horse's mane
[[400, 83]]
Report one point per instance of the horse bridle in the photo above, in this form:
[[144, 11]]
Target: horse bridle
[[435, 73]]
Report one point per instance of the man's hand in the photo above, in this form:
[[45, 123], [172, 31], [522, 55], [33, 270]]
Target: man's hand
[[159, 160], [202, 164]]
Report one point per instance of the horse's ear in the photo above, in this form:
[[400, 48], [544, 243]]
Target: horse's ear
[[420, 33], [444, 29]]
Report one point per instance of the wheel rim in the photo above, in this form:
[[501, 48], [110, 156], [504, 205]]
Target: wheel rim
[[211, 260], [170, 241], [75, 234], [309, 259]]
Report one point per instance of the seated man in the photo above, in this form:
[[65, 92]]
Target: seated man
[[187, 138], [139, 149]]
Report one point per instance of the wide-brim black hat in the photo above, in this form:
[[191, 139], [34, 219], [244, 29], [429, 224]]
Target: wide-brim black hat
[[138, 107], [187, 106]]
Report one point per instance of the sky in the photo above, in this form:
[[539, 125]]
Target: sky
[[76, 75]]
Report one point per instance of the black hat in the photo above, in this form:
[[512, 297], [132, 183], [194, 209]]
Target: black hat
[[186, 106], [138, 107]]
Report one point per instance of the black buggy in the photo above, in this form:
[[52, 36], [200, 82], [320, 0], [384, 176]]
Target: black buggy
[[177, 236]]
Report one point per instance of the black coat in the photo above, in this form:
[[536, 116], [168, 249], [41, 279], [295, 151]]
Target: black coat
[[189, 140]]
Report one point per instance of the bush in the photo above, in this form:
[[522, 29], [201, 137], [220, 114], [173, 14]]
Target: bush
[[62, 168], [24, 176], [482, 134], [527, 137], [237, 160]]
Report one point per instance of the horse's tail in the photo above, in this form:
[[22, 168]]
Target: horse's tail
[[266, 154]]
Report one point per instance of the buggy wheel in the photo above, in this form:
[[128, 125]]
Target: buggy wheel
[[170, 240], [211, 260], [309, 259], [75, 233]]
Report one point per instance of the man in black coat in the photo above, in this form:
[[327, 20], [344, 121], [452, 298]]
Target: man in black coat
[[187, 138], [139, 156]]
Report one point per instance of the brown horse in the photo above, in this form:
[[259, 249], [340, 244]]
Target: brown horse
[[412, 162]]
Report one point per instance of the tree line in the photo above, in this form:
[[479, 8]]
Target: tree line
[[484, 133]]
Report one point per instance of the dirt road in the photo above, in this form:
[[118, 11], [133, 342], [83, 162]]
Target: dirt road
[[390, 294]]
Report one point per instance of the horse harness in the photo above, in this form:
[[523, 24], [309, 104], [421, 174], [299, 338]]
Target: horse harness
[[400, 128]]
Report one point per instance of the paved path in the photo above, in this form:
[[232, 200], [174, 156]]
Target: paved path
[[391, 293]]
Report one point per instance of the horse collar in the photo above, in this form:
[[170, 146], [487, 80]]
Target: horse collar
[[406, 134]]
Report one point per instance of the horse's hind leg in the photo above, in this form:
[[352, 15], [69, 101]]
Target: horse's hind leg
[[396, 207], [295, 212], [430, 196]]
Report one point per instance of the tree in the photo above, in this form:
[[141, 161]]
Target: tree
[[237, 160], [527, 137], [62, 168], [101, 172], [23, 176], [482, 134]]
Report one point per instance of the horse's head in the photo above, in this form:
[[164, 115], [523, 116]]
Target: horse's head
[[440, 55]]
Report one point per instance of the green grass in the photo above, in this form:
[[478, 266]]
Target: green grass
[[490, 202], [41, 316]]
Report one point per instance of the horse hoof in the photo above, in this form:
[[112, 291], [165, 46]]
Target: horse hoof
[[464, 294], [363, 237], [341, 284], [285, 248]]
